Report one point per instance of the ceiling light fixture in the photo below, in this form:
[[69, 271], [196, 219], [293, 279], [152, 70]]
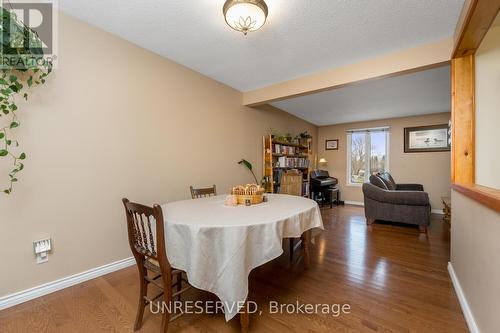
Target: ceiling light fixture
[[245, 15]]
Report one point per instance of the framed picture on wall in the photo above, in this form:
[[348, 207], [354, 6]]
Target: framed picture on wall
[[426, 139], [332, 144]]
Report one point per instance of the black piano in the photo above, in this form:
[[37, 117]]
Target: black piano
[[324, 188]]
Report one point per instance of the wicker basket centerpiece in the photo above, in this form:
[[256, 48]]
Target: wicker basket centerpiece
[[252, 192]]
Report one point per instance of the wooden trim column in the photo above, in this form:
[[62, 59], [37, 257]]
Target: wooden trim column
[[463, 120], [476, 18]]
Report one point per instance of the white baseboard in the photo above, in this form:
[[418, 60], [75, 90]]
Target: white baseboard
[[355, 203], [469, 318], [437, 211], [47, 288]]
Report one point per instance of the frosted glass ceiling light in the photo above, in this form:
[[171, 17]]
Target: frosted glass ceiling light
[[245, 15]]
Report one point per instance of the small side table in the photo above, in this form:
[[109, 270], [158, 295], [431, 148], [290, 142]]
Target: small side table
[[446, 209]]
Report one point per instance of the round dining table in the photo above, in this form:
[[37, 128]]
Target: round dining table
[[218, 245]]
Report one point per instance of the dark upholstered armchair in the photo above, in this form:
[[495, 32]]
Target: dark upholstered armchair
[[388, 201]]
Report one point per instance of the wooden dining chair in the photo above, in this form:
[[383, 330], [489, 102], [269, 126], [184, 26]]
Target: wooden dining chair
[[197, 193], [291, 183], [147, 241]]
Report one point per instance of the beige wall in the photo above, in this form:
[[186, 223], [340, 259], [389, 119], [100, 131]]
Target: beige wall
[[430, 169], [475, 249], [115, 120], [475, 229], [488, 110]]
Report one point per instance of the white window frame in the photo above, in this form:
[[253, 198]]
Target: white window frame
[[367, 149]]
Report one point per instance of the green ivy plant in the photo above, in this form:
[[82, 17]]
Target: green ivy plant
[[26, 67]]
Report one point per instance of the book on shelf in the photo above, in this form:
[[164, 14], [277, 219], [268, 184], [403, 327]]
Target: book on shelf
[[305, 188], [285, 150], [277, 173], [292, 162]]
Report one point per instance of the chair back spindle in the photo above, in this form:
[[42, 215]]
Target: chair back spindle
[[146, 232], [197, 193]]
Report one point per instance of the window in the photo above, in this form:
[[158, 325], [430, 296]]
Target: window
[[367, 153]]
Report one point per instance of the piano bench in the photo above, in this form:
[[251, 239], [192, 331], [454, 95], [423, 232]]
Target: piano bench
[[330, 193]]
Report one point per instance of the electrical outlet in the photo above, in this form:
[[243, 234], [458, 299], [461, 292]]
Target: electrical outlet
[[42, 248]]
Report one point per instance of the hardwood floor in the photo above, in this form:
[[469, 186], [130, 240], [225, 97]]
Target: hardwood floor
[[393, 278]]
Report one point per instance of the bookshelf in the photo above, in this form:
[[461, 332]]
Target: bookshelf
[[281, 156]]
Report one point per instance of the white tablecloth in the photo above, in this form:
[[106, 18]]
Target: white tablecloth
[[217, 245]]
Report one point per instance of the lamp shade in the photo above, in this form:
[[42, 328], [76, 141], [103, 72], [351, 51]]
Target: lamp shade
[[322, 160], [245, 15]]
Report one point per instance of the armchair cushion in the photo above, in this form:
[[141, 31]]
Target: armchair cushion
[[377, 181], [409, 187], [388, 180], [391, 184]]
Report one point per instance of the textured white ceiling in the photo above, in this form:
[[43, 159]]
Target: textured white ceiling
[[406, 95], [300, 37]]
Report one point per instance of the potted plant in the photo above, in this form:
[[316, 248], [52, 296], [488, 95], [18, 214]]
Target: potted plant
[[248, 165], [277, 136], [304, 138], [26, 67]]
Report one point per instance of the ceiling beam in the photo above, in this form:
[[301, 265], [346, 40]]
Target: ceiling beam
[[393, 64], [475, 21]]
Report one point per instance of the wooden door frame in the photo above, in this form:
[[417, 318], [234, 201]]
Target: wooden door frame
[[475, 21]]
